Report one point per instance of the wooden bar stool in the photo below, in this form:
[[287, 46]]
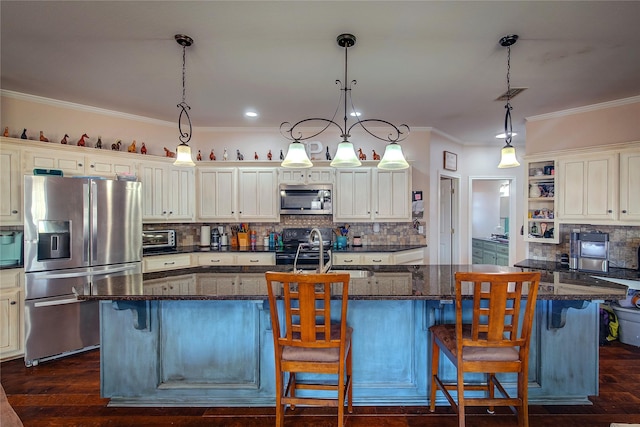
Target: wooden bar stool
[[310, 342], [492, 343]]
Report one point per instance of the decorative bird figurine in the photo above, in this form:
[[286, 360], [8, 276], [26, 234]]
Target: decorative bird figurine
[[327, 155], [64, 139], [281, 155], [99, 143], [81, 141], [269, 155], [376, 156], [169, 153], [361, 155], [116, 145], [255, 155], [6, 131], [225, 156], [199, 156], [143, 149], [24, 134], [132, 148], [239, 155], [212, 155], [43, 138]]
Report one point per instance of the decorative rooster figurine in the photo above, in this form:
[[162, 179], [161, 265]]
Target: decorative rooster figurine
[[269, 155], [143, 149], [132, 147], [199, 156], [169, 153], [81, 141], [225, 156], [64, 139], [43, 138], [24, 134], [99, 143], [212, 155], [6, 131], [255, 155]]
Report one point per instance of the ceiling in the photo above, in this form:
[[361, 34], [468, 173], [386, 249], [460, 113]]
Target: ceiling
[[431, 64]]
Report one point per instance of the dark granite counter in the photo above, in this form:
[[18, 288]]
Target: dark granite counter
[[406, 282], [260, 248], [551, 266]]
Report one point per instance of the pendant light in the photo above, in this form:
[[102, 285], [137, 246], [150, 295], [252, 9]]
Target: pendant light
[[345, 156], [296, 156], [508, 155], [183, 155]]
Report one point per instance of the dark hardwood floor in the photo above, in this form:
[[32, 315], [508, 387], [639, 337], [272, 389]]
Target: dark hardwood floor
[[66, 393]]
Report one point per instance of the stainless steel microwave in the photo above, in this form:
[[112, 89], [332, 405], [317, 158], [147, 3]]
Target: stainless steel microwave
[[306, 199]]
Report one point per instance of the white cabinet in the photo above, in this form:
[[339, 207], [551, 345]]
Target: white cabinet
[[409, 257], [165, 262], [314, 175], [167, 192], [258, 194], [70, 163], [392, 195], [352, 195], [541, 196], [10, 186], [255, 258], [369, 194], [178, 285], [11, 313], [629, 186], [587, 187], [216, 194], [109, 166], [216, 258]]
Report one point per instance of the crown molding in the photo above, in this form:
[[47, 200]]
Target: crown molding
[[585, 109]]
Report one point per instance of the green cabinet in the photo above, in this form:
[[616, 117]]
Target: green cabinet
[[489, 252]]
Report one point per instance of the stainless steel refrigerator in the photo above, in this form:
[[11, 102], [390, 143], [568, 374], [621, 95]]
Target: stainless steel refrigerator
[[76, 230]]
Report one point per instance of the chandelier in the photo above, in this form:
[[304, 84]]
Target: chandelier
[[508, 155], [393, 157], [183, 157]]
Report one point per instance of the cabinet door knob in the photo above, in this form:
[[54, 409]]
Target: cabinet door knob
[[624, 211], [92, 166], [14, 211], [609, 211], [12, 303]]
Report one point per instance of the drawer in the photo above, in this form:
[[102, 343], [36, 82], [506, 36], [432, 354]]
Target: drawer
[[346, 259], [166, 262], [502, 249], [475, 243], [377, 258], [254, 258], [410, 257], [214, 258], [476, 252]]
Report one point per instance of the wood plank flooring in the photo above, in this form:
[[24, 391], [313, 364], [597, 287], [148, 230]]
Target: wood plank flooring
[[66, 393]]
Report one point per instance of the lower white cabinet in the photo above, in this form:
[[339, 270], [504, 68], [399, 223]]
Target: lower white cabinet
[[408, 257], [255, 258], [180, 285], [165, 262], [11, 313]]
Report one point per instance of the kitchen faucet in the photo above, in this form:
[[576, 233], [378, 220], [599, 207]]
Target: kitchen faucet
[[322, 267]]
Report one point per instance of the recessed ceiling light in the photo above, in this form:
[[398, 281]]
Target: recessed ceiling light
[[355, 114], [503, 135], [251, 114]]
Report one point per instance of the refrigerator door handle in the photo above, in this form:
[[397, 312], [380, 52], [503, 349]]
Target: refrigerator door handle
[[94, 221], [97, 271], [86, 199], [52, 275], [57, 302]]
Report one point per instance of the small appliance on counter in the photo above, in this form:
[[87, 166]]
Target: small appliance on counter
[[594, 252], [158, 240], [10, 248]]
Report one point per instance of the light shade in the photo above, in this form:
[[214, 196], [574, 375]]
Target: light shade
[[296, 157], [508, 157], [345, 156], [183, 158], [393, 158]]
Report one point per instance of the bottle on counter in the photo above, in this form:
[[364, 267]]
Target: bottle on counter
[[253, 238]]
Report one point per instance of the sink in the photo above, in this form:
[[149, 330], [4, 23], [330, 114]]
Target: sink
[[632, 284]]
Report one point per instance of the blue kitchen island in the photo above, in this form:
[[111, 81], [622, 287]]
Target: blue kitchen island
[[202, 336]]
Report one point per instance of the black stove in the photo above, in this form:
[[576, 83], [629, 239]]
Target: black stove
[[309, 252]]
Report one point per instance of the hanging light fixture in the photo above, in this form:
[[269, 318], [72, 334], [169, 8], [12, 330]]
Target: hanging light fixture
[[508, 156], [345, 155], [183, 156]]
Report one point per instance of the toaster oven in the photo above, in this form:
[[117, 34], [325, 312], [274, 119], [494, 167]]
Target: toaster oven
[[158, 240]]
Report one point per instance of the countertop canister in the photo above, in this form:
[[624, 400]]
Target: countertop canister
[[205, 235]]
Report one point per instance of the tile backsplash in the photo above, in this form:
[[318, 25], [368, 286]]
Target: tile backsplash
[[390, 233], [623, 244]]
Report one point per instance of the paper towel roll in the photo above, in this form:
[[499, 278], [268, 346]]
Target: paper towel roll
[[205, 235]]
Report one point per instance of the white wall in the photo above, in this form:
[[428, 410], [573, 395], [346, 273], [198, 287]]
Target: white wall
[[485, 207]]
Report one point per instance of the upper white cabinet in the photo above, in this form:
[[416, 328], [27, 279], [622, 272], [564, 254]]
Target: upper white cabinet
[[258, 194], [599, 187], [630, 185], [316, 175], [10, 186], [167, 192], [230, 194], [369, 194]]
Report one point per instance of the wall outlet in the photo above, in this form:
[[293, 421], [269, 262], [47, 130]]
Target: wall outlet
[[421, 229]]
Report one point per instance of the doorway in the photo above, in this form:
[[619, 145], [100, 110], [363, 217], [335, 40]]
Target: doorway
[[448, 223]]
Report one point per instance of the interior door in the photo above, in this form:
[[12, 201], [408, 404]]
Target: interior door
[[446, 221]]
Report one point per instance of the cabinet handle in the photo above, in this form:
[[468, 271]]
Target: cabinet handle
[[624, 211], [92, 166], [348, 260], [254, 260], [12, 303], [14, 211], [214, 260], [80, 164], [169, 263], [376, 260], [164, 212], [170, 212], [609, 211]]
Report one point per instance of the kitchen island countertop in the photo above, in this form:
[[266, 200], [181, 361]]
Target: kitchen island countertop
[[260, 248], [406, 282]]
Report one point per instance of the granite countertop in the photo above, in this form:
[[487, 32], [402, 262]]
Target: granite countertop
[[493, 240], [260, 248], [405, 282], [614, 272]]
